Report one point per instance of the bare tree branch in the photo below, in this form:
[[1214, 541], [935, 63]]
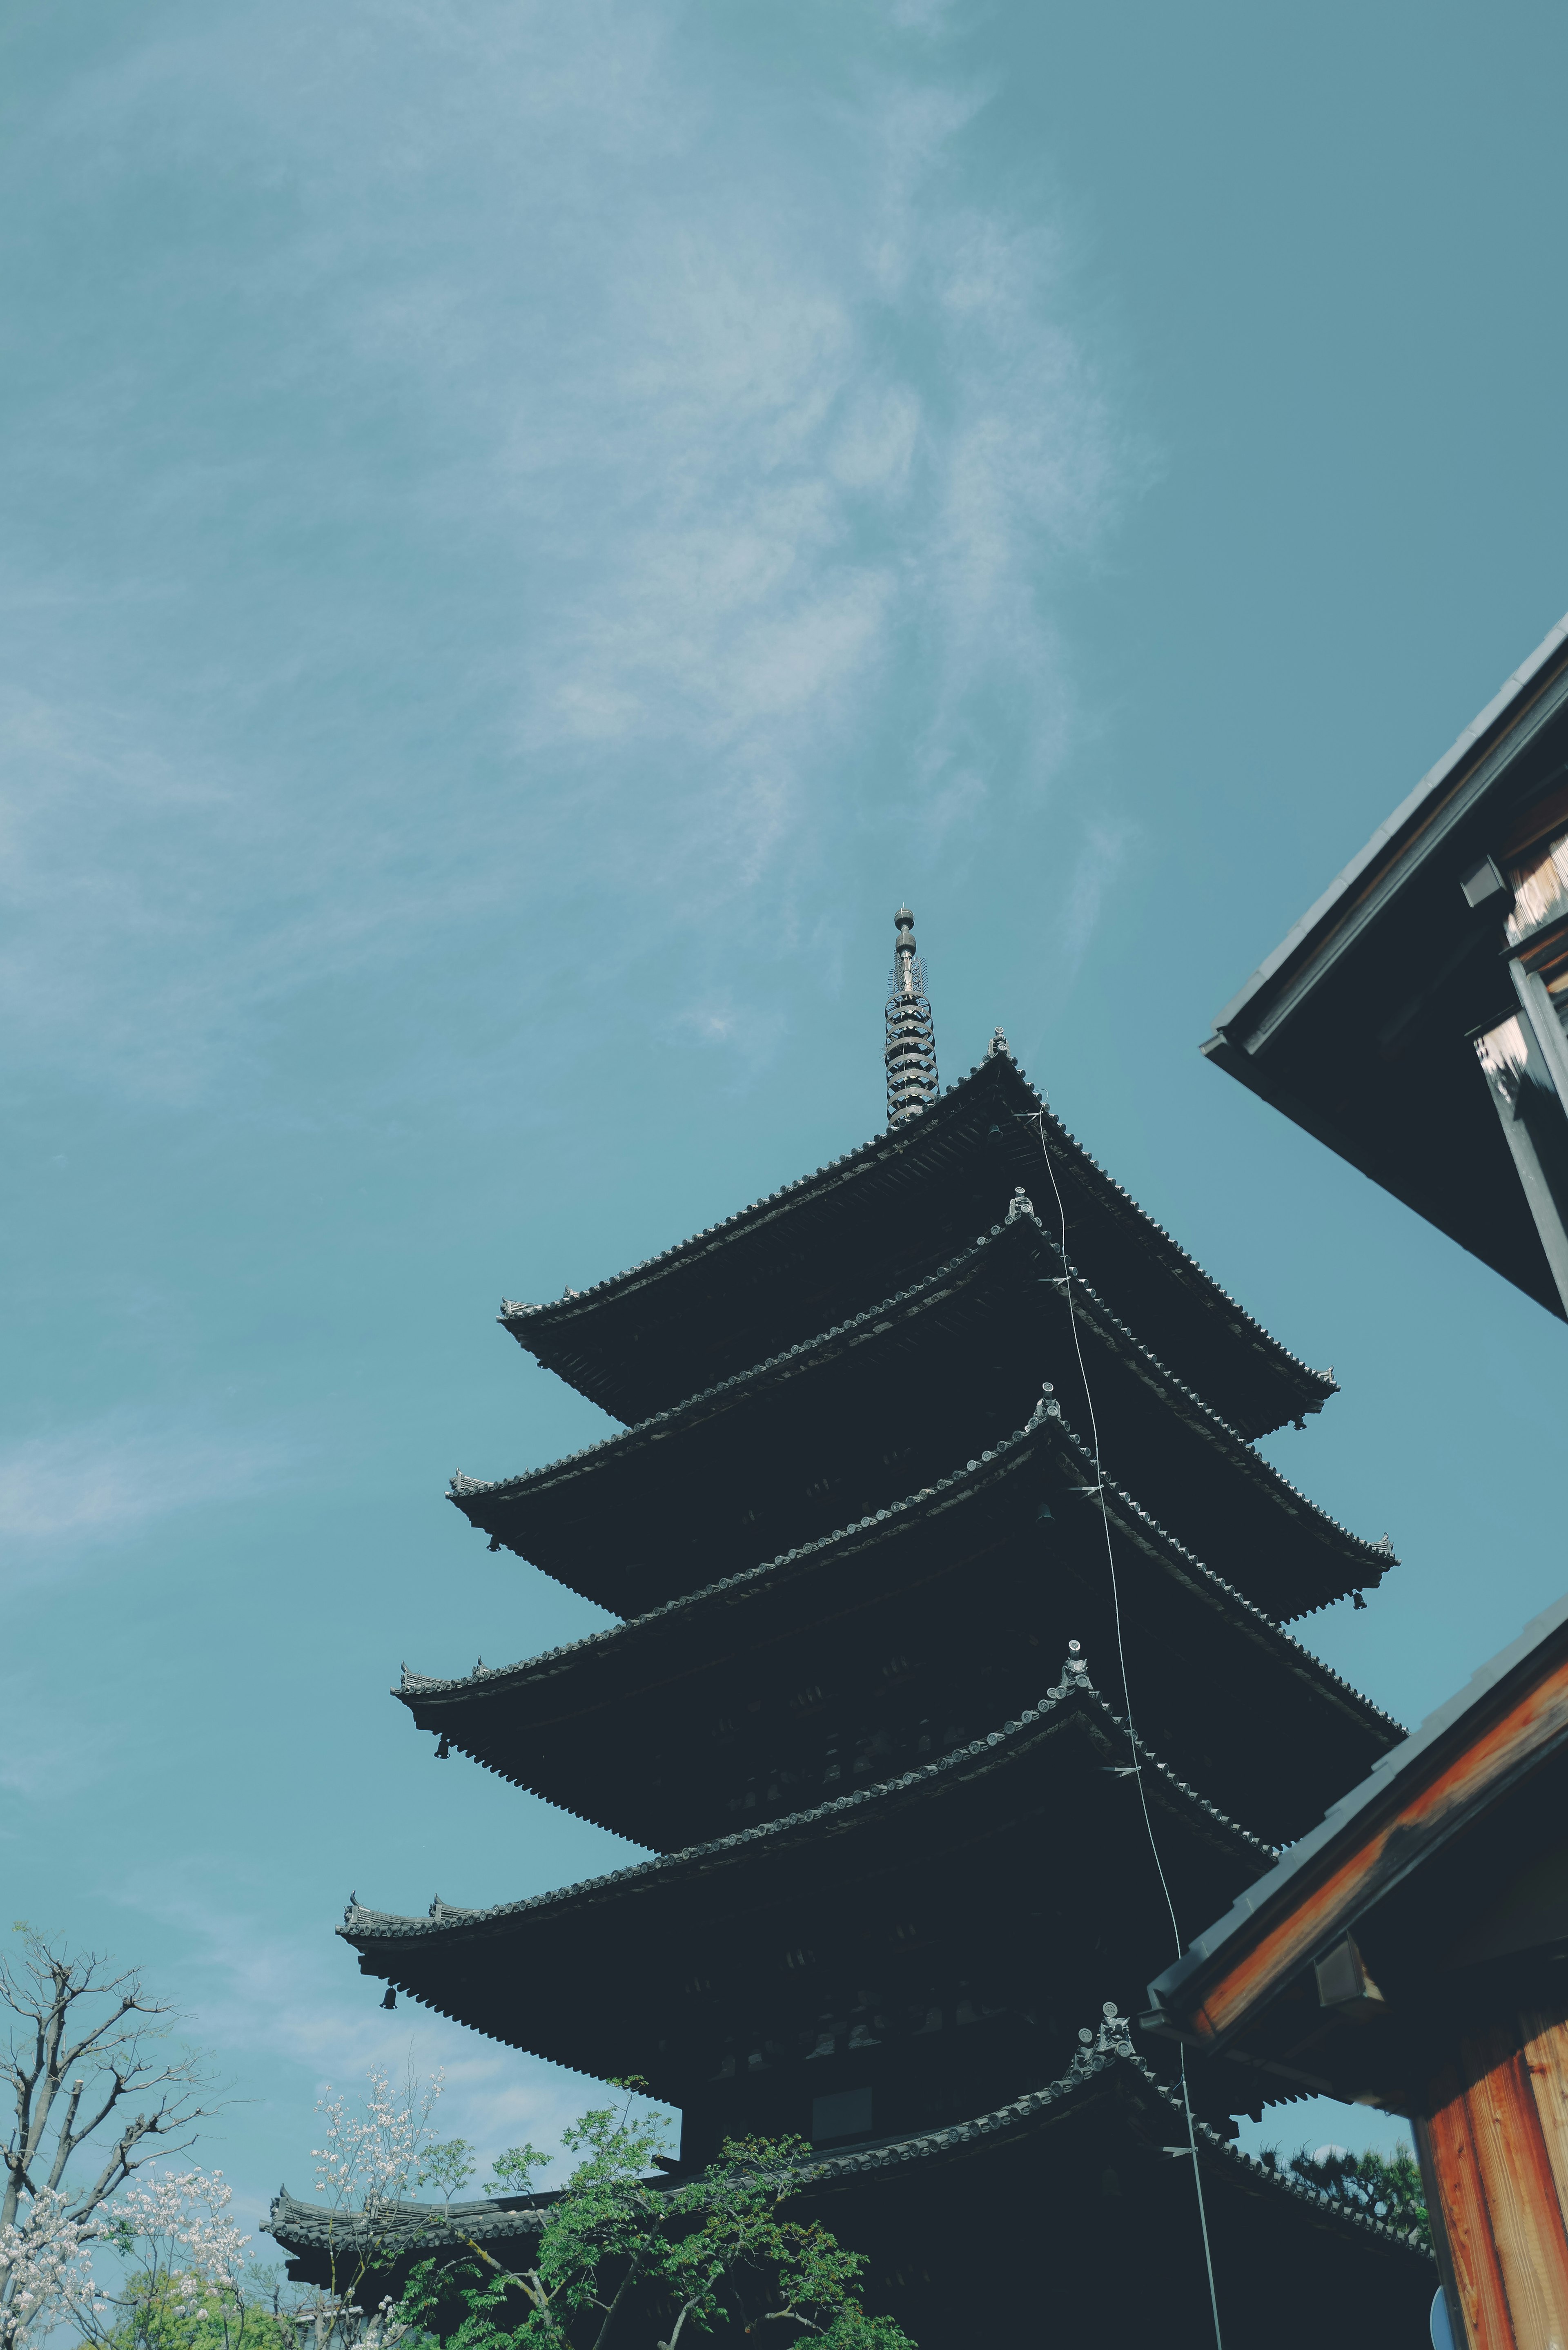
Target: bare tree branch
[[88, 2068]]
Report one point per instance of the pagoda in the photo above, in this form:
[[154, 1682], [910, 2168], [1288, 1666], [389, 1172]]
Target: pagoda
[[929, 1462]]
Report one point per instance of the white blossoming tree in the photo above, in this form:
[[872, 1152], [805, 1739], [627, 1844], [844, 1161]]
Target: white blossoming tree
[[96, 2089], [375, 2158], [182, 2275]]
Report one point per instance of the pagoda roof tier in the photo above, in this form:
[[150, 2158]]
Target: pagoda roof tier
[[841, 1239], [980, 2222], [818, 1436], [947, 1874], [931, 1613]]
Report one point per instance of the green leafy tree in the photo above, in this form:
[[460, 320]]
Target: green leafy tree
[[1386, 2187], [183, 2310], [624, 2254]]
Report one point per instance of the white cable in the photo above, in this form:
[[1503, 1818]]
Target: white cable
[[1126, 1701]]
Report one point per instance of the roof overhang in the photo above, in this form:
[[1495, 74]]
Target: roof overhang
[[1358, 1026], [1444, 1871]]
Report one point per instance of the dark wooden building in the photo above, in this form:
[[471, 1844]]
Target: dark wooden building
[[864, 1711], [1415, 1019], [1412, 1954]]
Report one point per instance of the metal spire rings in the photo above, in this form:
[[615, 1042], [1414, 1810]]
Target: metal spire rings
[[911, 1046]]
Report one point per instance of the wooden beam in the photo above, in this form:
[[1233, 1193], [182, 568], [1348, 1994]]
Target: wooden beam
[[1520, 2193], [1536, 1720], [1495, 2153], [1450, 2152], [1544, 2032]]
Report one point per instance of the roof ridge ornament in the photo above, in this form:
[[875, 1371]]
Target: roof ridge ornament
[[998, 1044], [910, 1048], [1114, 2038]]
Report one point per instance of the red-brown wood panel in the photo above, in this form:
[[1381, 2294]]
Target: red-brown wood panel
[[1520, 2192], [1544, 2032], [1464, 2218]]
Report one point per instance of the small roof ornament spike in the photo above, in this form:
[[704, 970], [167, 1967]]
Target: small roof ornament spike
[[910, 1047]]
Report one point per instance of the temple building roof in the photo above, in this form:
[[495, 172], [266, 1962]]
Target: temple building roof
[[1436, 941], [933, 1607], [1104, 2141], [842, 1238], [593, 1974], [836, 1425]]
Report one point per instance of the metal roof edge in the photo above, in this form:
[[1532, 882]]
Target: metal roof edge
[[1392, 826]]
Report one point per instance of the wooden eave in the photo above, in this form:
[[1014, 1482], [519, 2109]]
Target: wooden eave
[[589, 1976], [1358, 1026], [844, 1236], [831, 1427], [1411, 1865], [1066, 2117], [1209, 1668]]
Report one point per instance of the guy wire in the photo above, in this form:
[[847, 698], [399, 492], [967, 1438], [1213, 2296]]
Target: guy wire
[[1039, 1123]]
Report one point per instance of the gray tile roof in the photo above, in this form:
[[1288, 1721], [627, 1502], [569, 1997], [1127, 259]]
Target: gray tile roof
[[1109, 2058], [515, 1313], [1046, 1419], [362, 1926], [1229, 1444]]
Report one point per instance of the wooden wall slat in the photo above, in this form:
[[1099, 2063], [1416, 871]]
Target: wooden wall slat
[[1450, 2149], [1544, 2032], [1520, 2192]]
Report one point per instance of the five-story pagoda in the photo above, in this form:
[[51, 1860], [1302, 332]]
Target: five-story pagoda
[[898, 1440]]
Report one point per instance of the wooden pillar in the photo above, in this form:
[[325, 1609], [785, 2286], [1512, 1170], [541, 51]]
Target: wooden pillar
[[1495, 2153]]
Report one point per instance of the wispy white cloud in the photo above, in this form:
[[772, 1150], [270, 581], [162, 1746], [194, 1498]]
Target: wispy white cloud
[[112, 1476], [596, 485]]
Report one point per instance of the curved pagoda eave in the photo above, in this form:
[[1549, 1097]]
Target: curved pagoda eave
[[926, 1583], [933, 2209], [769, 1457], [843, 1236], [509, 2226], [591, 1976]]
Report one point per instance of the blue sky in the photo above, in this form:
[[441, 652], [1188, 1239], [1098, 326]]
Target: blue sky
[[527, 529]]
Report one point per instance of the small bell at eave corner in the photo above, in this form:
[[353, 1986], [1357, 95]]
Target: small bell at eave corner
[[391, 1998]]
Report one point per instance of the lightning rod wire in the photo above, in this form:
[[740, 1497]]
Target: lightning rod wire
[[1038, 1121]]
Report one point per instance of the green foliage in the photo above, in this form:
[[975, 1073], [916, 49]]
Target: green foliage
[[448, 2166], [512, 2173], [659, 2264], [1386, 2187], [180, 2312]]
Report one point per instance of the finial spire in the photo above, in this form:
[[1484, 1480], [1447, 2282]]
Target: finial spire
[[912, 1045]]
